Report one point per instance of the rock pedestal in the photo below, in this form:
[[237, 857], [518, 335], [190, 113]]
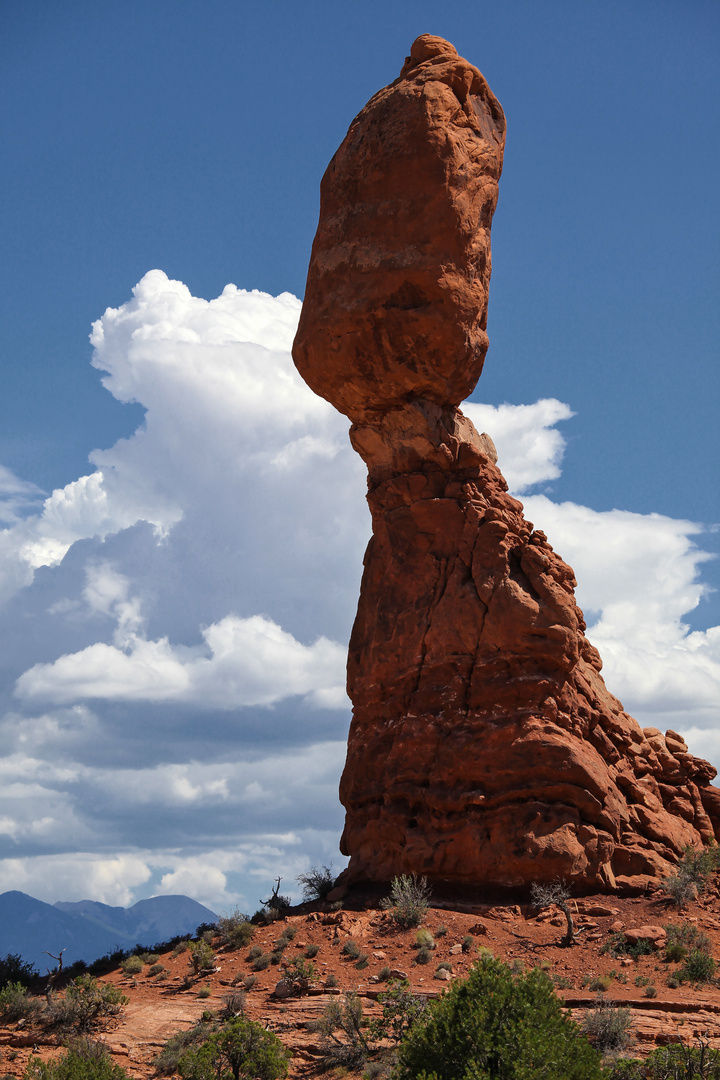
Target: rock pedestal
[[485, 749]]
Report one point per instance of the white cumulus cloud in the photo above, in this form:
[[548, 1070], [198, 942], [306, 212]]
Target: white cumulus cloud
[[17, 497], [638, 575], [530, 450], [251, 662], [82, 875]]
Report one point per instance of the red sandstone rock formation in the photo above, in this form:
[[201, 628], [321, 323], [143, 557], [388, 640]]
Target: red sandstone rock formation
[[485, 748]]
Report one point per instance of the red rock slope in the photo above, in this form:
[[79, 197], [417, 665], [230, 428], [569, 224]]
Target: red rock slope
[[485, 748]]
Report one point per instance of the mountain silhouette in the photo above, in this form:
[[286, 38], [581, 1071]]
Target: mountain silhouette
[[87, 929]]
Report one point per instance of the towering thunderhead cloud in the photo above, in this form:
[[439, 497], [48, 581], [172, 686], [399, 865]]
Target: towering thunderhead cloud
[[485, 748]]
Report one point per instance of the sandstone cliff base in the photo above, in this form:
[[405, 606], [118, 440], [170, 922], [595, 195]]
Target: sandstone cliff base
[[485, 750]]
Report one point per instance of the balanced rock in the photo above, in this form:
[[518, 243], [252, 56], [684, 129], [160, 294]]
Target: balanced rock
[[485, 749], [396, 297]]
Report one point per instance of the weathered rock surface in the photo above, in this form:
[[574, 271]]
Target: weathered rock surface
[[485, 748], [396, 296]]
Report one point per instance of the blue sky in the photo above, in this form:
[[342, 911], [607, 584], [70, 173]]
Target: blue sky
[[226, 518]]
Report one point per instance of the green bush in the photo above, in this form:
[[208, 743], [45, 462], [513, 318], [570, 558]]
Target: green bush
[[132, 965], [467, 943], [618, 945], [423, 955], [607, 1027], [202, 957], [408, 902], [675, 1062], [261, 962], [234, 1003], [300, 969], [699, 967], [690, 879], [495, 1025], [14, 969], [155, 970], [680, 889], [424, 938], [166, 1062], [312, 951], [241, 1050], [15, 1003], [106, 963], [343, 1030], [682, 938], [316, 883], [272, 914], [349, 1039], [240, 935], [235, 929], [351, 949], [83, 1060], [86, 1005], [400, 1009]]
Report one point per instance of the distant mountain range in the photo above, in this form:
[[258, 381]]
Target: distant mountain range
[[87, 929]]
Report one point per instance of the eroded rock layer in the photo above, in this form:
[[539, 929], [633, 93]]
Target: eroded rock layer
[[485, 748]]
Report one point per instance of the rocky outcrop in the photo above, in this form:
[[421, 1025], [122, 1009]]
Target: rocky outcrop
[[485, 748]]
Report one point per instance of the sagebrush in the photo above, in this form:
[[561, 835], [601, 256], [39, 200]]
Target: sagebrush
[[235, 930], [608, 1026], [408, 902], [690, 878], [84, 1059]]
